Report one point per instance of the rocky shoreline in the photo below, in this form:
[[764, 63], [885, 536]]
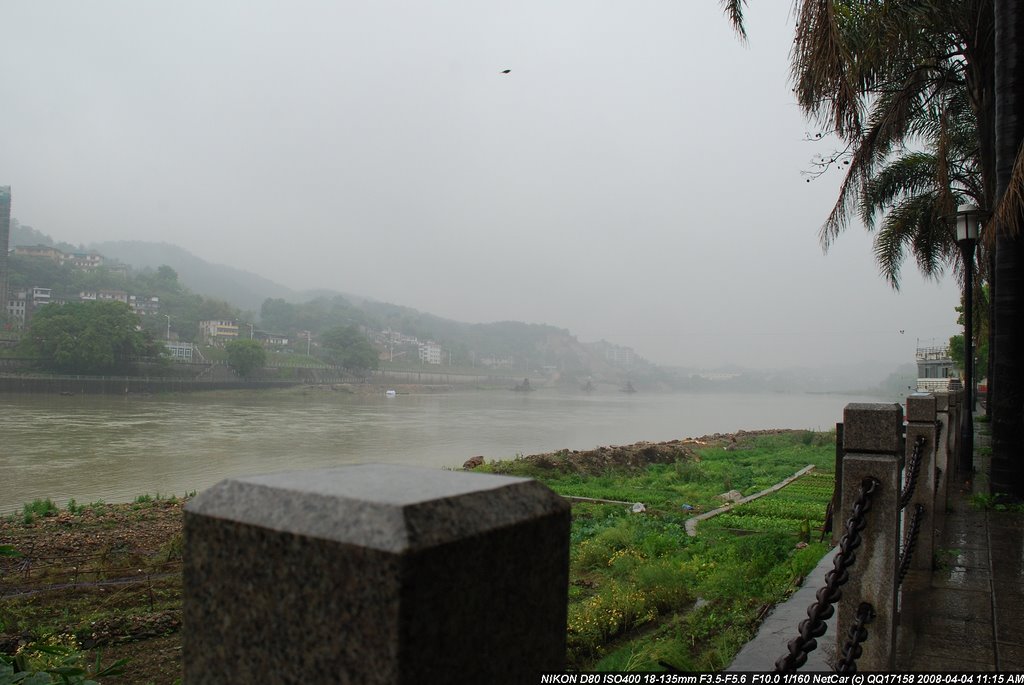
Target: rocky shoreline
[[632, 457]]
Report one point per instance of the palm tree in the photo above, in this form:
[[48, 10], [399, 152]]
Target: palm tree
[[874, 73], [916, 190], [866, 70]]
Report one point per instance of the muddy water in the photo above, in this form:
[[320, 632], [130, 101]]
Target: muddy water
[[113, 449]]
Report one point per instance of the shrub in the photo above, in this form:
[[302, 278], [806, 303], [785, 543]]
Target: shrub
[[39, 507]]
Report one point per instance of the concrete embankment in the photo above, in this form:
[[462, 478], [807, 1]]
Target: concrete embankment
[[113, 385]]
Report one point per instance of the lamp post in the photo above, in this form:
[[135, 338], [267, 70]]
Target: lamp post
[[168, 316], [967, 219]]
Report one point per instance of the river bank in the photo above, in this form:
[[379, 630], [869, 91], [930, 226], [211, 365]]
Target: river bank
[[109, 575]]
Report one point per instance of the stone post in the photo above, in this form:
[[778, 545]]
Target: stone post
[[955, 435], [375, 574], [921, 421], [943, 465], [873, 444], [837, 493]]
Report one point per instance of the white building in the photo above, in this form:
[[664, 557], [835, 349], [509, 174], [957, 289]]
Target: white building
[[430, 353], [181, 351], [214, 331]]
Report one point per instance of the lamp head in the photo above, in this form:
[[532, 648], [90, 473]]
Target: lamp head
[[968, 220]]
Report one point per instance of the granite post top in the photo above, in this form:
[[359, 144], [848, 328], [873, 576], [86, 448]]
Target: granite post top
[[387, 507], [873, 427]]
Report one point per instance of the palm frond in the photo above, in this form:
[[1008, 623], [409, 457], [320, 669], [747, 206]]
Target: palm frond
[[734, 10], [915, 225], [911, 174], [1006, 217]]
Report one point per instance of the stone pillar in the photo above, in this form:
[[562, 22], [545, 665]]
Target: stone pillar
[[914, 590], [921, 421], [375, 574], [955, 435], [943, 465], [837, 492], [873, 444]]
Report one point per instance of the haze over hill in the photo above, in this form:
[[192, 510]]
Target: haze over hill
[[249, 291]]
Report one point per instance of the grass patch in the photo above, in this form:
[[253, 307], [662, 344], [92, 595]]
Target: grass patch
[[643, 593], [38, 508]]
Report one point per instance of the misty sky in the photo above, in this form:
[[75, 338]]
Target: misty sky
[[636, 177]]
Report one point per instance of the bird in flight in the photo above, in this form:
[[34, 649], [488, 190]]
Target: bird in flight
[[506, 71]]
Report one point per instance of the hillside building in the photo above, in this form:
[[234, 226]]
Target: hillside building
[[144, 306], [104, 295], [20, 305], [620, 356], [39, 251], [79, 260], [180, 351], [430, 353], [218, 332]]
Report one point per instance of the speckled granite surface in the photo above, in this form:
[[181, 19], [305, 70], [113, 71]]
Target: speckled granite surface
[[375, 574]]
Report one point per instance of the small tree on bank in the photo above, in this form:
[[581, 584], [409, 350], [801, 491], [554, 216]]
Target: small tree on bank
[[345, 346], [245, 356]]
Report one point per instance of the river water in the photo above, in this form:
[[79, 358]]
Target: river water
[[114, 448]]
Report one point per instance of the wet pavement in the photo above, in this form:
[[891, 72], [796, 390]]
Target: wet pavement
[[971, 617]]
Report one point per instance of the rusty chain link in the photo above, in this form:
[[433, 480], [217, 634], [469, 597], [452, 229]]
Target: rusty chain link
[[912, 470], [821, 610], [857, 634], [907, 553]]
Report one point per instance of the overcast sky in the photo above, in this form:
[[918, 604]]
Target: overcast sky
[[635, 177]]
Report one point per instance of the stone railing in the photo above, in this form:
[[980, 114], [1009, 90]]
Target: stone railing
[[375, 574], [907, 466]]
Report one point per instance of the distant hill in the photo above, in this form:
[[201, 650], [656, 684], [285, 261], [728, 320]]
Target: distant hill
[[529, 345], [526, 346], [243, 289]]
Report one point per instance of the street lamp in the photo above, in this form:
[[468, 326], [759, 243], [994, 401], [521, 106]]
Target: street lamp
[[968, 217]]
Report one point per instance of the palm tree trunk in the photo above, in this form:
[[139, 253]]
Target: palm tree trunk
[[1008, 303], [990, 371]]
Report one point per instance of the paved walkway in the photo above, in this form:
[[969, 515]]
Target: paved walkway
[[973, 610], [974, 615]]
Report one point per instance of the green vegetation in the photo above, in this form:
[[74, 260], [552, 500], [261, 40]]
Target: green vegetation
[[38, 507], [245, 356], [56, 659], [90, 337], [345, 346], [643, 592]]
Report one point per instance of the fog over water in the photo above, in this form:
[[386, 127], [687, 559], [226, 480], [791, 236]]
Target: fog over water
[[116, 448], [635, 176]]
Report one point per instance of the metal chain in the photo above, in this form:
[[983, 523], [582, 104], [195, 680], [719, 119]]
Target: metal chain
[[910, 541], [821, 610], [913, 468], [857, 634]]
